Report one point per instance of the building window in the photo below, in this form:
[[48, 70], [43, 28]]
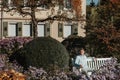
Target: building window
[[68, 4], [66, 30], [65, 4], [9, 2], [26, 30], [41, 30], [12, 30]]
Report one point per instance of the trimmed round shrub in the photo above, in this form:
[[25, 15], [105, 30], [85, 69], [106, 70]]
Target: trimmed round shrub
[[42, 52]]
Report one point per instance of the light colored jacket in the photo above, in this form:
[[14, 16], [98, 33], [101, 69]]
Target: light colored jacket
[[81, 60]]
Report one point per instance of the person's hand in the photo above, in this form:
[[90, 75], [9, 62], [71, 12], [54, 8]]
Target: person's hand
[[81, 66]]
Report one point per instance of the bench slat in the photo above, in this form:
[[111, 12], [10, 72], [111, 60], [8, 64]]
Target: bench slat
[[96, 63]]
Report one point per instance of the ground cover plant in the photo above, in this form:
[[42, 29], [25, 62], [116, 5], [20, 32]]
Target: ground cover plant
[[10, 45], [109, 71], [13, 70]]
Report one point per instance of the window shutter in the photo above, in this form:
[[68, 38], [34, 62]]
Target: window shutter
[[47, 29], [19, 29], [68, 4], [61, 6], [31, 30], [60, 30], [5, 29], [75, 28], [5, 2]]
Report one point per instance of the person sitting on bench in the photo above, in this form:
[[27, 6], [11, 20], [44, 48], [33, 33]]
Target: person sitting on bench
[[81, 62]]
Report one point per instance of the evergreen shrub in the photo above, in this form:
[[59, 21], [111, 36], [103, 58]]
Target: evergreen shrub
[[42, 52]]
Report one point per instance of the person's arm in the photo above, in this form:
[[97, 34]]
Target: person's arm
[[77, 62]]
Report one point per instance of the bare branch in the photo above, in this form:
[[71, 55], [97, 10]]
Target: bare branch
[[60, 18]]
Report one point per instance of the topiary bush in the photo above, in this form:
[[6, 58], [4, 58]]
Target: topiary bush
[[42, 52]]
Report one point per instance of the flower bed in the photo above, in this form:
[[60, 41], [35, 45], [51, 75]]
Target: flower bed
[[10, 45], [109, 71]]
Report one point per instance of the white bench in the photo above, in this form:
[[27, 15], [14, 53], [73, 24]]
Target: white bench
[[95, 63]]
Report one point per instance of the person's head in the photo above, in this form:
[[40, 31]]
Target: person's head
[[81, 51]]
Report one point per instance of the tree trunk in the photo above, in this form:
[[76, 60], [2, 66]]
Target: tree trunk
[[34, 23]]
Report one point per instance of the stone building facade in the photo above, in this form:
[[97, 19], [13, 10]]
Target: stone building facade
[[13, 24]]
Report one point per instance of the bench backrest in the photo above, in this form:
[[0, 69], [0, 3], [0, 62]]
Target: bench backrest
[[96, 63]]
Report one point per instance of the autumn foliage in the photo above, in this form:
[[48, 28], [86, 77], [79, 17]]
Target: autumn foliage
[[77, 7], [11, 75], [109, 36], [103, 32], [115, 1]]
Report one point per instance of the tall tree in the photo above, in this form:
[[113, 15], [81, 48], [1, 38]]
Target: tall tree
[[31, 7], [102, 34]]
